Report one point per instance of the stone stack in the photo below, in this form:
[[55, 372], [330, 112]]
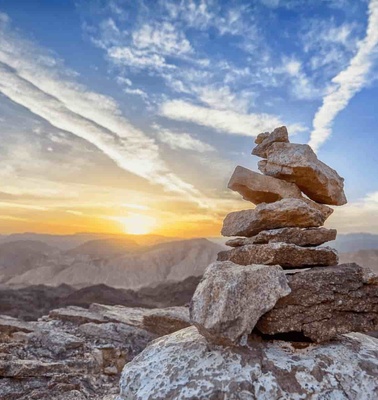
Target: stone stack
[[250, 285]]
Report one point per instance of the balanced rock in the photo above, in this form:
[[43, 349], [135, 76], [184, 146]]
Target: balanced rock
[[185, 366], [259, 188], [325, 302], [280, 214], [284, 254], [231, 298], [298, 236], [266, 139], [299, 164]]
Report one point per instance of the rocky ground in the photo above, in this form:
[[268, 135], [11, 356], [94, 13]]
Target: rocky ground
[[77, 353]]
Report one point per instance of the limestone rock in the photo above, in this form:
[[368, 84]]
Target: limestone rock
[[281, 214], [298, 236], [185, 366], [283, 254], [298, 163], [266, 139], [325, 302], [259, 188], [231, 298], [9, 325], [167, 320]]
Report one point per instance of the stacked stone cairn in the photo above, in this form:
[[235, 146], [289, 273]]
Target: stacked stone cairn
[[277, 279]]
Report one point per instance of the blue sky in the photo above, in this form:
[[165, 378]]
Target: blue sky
[[108, 107]]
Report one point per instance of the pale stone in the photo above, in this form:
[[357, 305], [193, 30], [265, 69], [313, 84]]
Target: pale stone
[[259, 188], [281, 214], [185, 366], [325, 302], [231, 298], [297, 163], [298, 236], [265, 140], [283, 254]]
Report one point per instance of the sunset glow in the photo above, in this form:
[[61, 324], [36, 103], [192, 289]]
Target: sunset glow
[[137, 224]]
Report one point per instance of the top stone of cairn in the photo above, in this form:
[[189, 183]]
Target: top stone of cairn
[[297, 163]]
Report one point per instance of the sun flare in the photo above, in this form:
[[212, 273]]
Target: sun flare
[[137, 224]]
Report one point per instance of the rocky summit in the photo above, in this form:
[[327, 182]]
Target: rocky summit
[[273, 315]]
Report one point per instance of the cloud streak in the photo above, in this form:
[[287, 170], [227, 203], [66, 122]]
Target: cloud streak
[[348, 82], [226, 121], [32, 78]]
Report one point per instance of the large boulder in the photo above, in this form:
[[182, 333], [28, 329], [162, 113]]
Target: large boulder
[[185, 366], [299, 164], [259, 188], [298, 236], [325, 302], [231, 298], [286, 255], [266, 139], [280, 214]]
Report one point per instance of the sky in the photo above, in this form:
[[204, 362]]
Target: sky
[[131, 115]]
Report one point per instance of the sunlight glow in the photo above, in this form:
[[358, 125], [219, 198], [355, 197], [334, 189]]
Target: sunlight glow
[[137, 224]]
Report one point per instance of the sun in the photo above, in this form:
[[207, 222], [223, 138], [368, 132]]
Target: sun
[[138, 224]]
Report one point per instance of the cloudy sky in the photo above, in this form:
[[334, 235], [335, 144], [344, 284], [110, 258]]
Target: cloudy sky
[[122, 114]]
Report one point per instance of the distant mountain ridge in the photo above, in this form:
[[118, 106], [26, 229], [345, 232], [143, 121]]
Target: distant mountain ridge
[[116, 262]]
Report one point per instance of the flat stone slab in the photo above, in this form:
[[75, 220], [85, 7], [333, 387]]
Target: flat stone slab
[[259, 188], [281, 214], [283, 254], [298, 236], [325, 302], [231, 298], [9, 325], [299, 164], [164, 321], [185, 366], [266, 139]]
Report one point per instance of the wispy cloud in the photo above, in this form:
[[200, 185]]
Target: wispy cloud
[[182, 140], [34, 79], [348, 82], [226, 121]]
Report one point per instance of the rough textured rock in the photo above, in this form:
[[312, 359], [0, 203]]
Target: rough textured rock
[[298, 236], [298, 163], [325, 302], [286, 255], [259, 188], [266, 139], [72, 354], [166, 321], [281, 214], [185, 366], [231, 298]]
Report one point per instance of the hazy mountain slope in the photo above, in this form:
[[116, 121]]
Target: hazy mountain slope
[[104, 247], [366, 258], [352, 242], [152, 265], [21, 256]]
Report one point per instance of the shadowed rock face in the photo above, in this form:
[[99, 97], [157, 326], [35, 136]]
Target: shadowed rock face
[[286, 255], [298, 163], [185, 366], [298, 236], [281, 214], [325, 302], [231, 298], [259, 188]]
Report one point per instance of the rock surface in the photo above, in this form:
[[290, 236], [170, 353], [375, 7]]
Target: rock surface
[[185, 366], [325, 302], [281, 214], [259, 188], [72, 354], [231, 298], [266, 139], [299, 164], [286, 255], [166, 321], [298, 236]]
